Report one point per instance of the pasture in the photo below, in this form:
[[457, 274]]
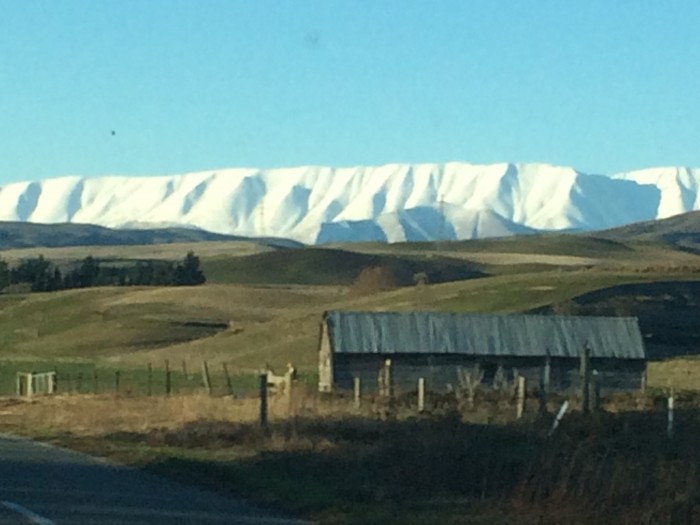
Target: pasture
[[263, 306]]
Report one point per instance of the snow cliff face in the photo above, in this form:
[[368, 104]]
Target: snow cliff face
[[387, 203]]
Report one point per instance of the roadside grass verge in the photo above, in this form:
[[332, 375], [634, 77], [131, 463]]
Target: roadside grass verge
[[607, 468]]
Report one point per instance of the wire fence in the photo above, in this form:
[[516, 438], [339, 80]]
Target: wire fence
[[155, 379]]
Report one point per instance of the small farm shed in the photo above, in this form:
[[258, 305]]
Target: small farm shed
[[544, 349]]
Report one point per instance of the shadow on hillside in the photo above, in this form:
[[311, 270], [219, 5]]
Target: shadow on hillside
[[667, 312]]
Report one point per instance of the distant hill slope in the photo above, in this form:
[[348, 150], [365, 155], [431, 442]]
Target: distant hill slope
[[680, 231], [583, 245], [28, 235]]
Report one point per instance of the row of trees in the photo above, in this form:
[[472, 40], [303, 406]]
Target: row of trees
[[44, 276]]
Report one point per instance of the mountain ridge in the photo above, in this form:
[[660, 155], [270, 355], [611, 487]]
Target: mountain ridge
[[390, 203]]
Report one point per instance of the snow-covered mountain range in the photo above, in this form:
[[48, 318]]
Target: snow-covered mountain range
[[391, 203]]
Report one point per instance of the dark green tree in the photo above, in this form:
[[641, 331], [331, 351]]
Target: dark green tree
[[37, 272], [56, 281], [4, 274], [87, 273], [188, 272]]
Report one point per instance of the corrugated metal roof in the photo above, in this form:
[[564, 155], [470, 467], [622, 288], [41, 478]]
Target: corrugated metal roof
[[483, 334]]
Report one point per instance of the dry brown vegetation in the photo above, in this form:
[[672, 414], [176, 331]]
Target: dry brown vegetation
[[373, 280], [682, 373], [614, 467]]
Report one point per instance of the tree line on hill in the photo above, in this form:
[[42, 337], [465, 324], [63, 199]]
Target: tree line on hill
[[44, 276]]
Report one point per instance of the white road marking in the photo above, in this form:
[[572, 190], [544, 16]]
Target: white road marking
[[31, 516]]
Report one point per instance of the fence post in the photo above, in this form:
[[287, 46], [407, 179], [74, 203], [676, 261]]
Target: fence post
[[168, 385], [557, 420], [595, 391], [288, 376], [229, 385], [184, 368], [117, 380], [542, 397], [205, 377], [585, 373], [356, 393], [263, 400], [547, 373], [51, 387], [521, 397], [388, 379], [421, 394], [386, 388], [18, 383], [669, 423], [149, 380], [30, 385]]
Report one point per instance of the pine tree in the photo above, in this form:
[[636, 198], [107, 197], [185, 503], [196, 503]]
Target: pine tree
[[188, 273], [4, 274]]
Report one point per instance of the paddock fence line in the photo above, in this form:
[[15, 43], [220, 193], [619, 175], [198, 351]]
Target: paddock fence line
[[153, 379]]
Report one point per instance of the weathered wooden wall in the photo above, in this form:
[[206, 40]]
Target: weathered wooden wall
[[441, 371]]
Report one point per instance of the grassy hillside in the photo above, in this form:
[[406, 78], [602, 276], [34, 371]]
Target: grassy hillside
[[323, 266], [536, 253], [680, 231], [546, 244], [27, 235], [266, 307], [248, 326]]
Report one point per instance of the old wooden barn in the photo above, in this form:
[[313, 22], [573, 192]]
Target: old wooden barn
[[544, 349]]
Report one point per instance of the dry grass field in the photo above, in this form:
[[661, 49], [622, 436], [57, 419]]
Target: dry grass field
[[681, 373], [171, 251]]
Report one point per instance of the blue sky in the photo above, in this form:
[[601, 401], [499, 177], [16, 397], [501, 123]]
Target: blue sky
[[600, 85]]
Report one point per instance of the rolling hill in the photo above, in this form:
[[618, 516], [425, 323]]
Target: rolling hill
[[32, 235], [680, 231], [321, 266]]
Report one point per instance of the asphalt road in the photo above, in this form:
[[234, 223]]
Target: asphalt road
[[47, 485]]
